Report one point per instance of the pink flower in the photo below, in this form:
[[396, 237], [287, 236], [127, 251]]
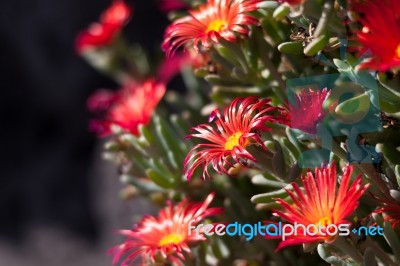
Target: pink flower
[[307, 109], [104, 32], [127, 108]]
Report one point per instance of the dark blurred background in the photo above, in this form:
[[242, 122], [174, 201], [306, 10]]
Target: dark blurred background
[[58, 199]]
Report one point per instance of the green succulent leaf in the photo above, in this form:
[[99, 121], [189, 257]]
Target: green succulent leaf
[[316, 45], [291, 47]]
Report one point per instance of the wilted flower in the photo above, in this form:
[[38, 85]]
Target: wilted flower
[[306, 112], [166, 235], [103, 33], [214, 20], [238, 127], [320, 204], [381, 32], [128, 108]]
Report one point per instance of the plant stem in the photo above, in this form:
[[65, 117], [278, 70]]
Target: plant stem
[[262, 44], [342, 244], [325, 18], [275, 74], [379, 252], [367, 169]]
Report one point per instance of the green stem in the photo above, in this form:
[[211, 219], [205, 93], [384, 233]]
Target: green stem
[[325, 18], [275, 75], [367, 169], [335, 24], [262, 44], [371, 172], [339, 151]]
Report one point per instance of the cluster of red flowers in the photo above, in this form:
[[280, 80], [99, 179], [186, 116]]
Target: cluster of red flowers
[[321, 203], [229, 133]]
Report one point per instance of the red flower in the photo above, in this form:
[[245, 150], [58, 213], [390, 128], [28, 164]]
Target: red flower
[[128, 108], [237, 128], [104, 32], [381, 32], [307, 111], [214, 20], [166, 235], [320, 204], [391, 210]]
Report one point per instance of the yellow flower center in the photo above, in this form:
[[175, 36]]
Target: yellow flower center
[[171, 239], [324, 221], [398, 51], [216, 25], [321, 222], [233, 141]]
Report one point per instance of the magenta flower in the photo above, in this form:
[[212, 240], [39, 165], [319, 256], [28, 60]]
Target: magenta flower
[[307, 110]]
